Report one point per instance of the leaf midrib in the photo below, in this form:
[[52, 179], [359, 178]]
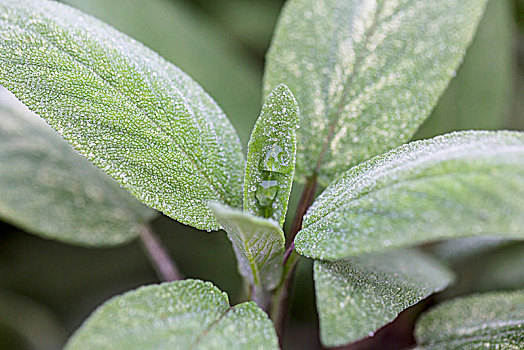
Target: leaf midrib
[[210, 326], [141, 110], [400, 181], [351, 77], [403, 168]]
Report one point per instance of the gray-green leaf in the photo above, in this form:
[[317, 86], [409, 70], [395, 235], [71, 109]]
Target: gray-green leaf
[[365, 73], [189, 38], [455, 185], [258, 244], [189, 314], [487, 321], [136, 116], [481, 94], [355, 297], [49, 189], [483, 264], [271, 157]]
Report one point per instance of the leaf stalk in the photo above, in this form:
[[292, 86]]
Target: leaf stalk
[[279, 302], [158, 255]]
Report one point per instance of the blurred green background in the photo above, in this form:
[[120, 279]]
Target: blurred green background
[[48, 288]]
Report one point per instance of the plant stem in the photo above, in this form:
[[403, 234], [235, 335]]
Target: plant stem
[[158, 255], [278, 305], [308, 194]]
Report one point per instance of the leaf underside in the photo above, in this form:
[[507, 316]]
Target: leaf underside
[[366, 74], [270, 165], [356, 297], [487, 321], [484, 264], [133, 114], [189, 314], [454, 251], [258, 244], [457, 185], [49, 189]]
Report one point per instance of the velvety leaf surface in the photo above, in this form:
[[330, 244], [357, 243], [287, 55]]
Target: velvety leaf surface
[[365, 73], [479, 97], [271, 157], [137, 117], [190, 39], [456, 185], [356, 297], [49, 189], [189, 314], [484, 321], [258, 244]]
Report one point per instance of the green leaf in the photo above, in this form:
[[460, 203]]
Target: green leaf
[[258, 244], [480, 96], [189, 314], [456, 185], [199, 46], [137, 117], [365, 73], [271, 157], [355, 297], [455, 250], [49, 189], [484, 264], [488, 321]]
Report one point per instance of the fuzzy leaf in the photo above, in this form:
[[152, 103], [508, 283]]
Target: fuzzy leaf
[[366, 73], [487, 321], [456, 185], [49, 189], [136, 116], [198, 45], [481, 94], [258, 244], [271, 157], [355, 297], [189, 314]]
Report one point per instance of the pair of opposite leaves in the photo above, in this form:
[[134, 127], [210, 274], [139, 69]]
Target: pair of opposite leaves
[[121, 88]]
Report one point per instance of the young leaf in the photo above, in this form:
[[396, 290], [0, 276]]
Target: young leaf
[[137, 117], [258, 244], [488, 321], [456, 185], [50, 190], [355, 297], [189, 314], [365, 73], [271, 157]]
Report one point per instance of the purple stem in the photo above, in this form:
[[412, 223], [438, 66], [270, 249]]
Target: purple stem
[[159, 256]]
